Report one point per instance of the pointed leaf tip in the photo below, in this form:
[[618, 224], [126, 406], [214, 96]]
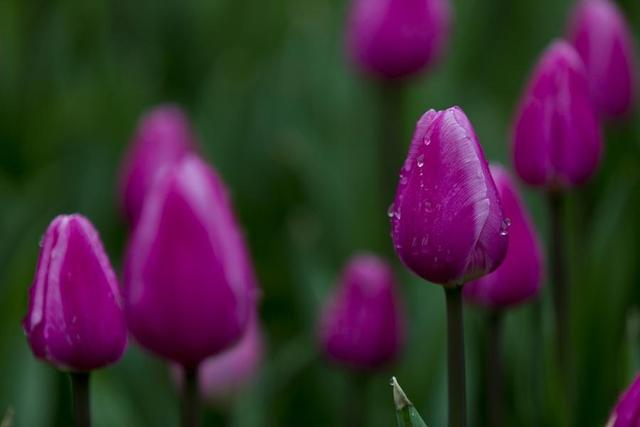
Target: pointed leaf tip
[[399, 397]]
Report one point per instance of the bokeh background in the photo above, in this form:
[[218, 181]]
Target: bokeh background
[[293, 131]]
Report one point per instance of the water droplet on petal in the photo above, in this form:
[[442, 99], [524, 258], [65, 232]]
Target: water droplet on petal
[[504, 228], [420, 160], [428, 206], [390, 210]]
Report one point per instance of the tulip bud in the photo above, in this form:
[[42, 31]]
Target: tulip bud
[[446, 221], [397, 38], [557, 141], [224, 376], [75, 319], [519, 276], [626, 413], [362, 325], [188, 278], [162, 139], [600, 35]]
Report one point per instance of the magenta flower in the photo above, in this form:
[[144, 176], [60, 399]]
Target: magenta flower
[[397, 38], [75, 319], [188, 278], [557, 141], [519, 277], [162, 139], [626, 413], [447, 222], [601, 36], [362, 325]]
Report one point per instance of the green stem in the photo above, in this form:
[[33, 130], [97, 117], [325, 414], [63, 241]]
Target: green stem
[[537, 356], [190, 410], [455, 358], [81, 400], [559, 282], [356, 409], [495, 366]]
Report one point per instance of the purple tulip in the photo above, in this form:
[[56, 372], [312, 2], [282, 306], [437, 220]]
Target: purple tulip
[[162, 139], [397, 38], [362, 325], [557, 141], [600, 34], [224, 376], [75, 319], [447, 222], [520, 275], [626, 413], [188, 278]]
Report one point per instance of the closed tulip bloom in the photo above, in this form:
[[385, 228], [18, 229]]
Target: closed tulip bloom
[[162, 139], [362, 325], [600, 34], [519, 276], [447, 223], [557, 141], [397, 38], [626, 413], [75, 319], [222, 377], [188, 277]]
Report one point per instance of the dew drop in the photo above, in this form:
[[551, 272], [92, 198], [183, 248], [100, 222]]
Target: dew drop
[[420, 160], [427, 141], [428, 206], [390, 210], [504, 228]]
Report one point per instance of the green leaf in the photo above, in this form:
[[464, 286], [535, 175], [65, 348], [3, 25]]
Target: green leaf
[[406, 413]]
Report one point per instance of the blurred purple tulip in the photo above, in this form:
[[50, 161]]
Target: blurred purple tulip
[[447, 221], [626, 413], [557, 141], [397, 38], [223, 377], [75, 319], [163, 138], [362, 325], [519, 277], [601, 36], [188, 277]]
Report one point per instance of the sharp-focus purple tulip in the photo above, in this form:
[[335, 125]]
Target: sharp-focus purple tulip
[[447, 222], [397, 38], [188, 279], [557, 141], [163, 138], [362, 325], [626, 413], [519, 276], [75, 319], [600, 34]]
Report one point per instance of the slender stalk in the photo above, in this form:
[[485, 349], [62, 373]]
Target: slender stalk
[[537, 355], [455, 358], [190, 410], [495, 391], [392, 145], [560, 285], [356, 409], [81, 400]]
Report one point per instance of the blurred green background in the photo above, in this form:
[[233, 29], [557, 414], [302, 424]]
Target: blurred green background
[[293, 131]]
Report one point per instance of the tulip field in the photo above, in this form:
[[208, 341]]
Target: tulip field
[[359, 213]]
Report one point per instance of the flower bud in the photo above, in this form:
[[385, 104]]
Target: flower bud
[[223, 377], [626, 413], [188, 279], [75, 319], [557, 141], [397, 38], [447, 224], [362, 324], [519, 276], [600, 35], [162, 139]]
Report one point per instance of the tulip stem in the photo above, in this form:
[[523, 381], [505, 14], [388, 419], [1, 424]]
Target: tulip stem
[[81, 403], [455, 358], [392, 144], [495, 372], [559, 288], [190, 398]]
